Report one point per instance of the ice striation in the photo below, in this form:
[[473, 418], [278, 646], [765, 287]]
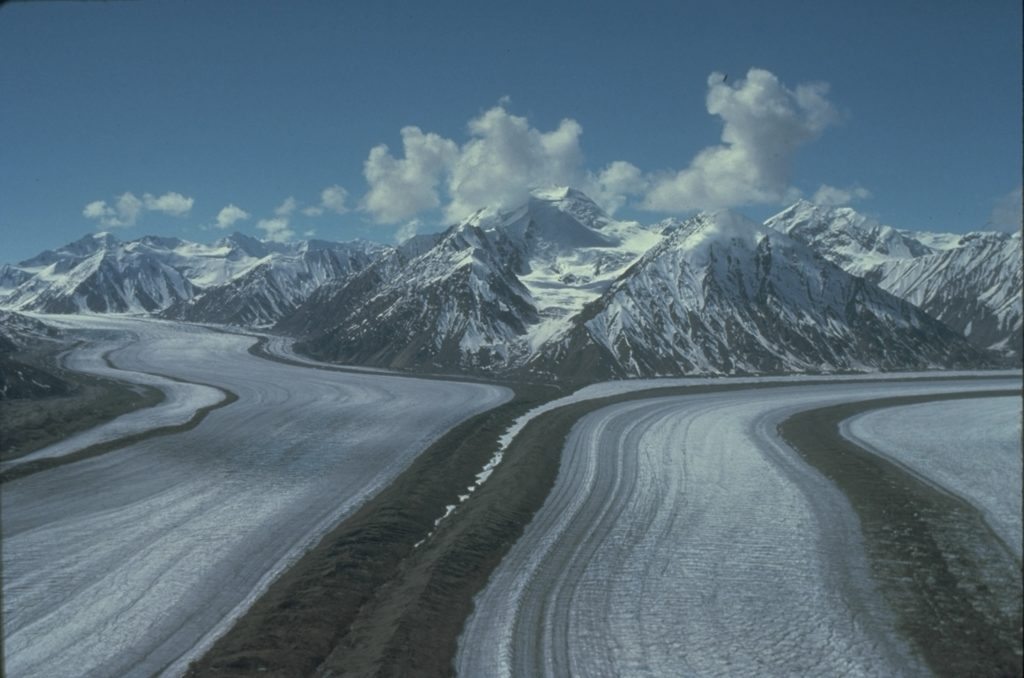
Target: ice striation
[[133, 562], [684, 537]]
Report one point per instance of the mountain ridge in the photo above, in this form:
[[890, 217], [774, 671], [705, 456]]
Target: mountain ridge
[[557, 288], [970, 282]]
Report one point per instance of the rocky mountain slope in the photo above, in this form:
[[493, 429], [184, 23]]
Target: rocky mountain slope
[[238, 279], [972, 283], [276, 284], [18, 379], [487, 295], [557, 287], [722, 294], [97, 274]]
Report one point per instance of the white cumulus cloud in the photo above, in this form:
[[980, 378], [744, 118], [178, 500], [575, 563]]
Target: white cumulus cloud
[[127, 208], [402, 187], [407, 230], [833, 196], [612, 186], [506, 157], [276, 229], [1007, 212], [503, 159], [95, 210], [230, 215], [764, 122], [122, 214], [169, 203], [333, 198], [286, 207]]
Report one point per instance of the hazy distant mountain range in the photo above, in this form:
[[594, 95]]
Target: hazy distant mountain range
[[557, 288]]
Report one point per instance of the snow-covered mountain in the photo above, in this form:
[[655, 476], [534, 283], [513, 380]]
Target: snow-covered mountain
[[557, 287], [972, 282], [722, 294], [459, 305], [488, 294], [273, 286], [97, 274], [974, 288], [854, 242], [238, 279]]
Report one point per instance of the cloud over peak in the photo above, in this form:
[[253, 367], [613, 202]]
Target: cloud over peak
[[229, 216], [127, 208], [506, 157], [333, 198], [169, 203], [287, 207], [832, 196], [402, 187], [276, 229], [764, 122]]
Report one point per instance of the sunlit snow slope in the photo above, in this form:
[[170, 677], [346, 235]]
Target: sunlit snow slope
[[129, 563]]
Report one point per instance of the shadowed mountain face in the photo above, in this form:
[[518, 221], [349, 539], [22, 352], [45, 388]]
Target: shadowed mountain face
[[972, 283], [558, 288], [17, 378], [238, 279], [721, 294]]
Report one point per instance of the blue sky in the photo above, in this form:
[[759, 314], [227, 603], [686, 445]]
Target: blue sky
[[152, 117]]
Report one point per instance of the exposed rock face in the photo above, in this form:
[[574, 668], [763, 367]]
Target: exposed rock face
[[558, 288], [972, 283]]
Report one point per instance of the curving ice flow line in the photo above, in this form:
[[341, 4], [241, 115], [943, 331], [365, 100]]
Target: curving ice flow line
[[181, 399], [979, 459], [133, 562], [683, 537]]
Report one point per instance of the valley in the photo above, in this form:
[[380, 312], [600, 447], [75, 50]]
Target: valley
[[131, 562], [195, 534], [511, 340], [543, 441]]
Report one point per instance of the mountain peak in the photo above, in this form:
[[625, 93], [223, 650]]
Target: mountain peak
[[560, 193], [570, 200], [245, 244], [554, 193], [720, 224], [94, 241]]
